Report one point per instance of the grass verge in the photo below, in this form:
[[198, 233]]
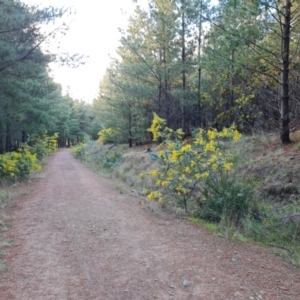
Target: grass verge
[[270, 170]]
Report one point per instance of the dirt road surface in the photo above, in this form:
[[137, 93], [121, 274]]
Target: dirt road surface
[[77, 237]]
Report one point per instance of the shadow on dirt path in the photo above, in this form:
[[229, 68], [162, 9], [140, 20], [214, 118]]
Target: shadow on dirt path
[[78, 238]]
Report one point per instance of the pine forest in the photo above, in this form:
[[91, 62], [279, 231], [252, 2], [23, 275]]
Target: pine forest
[[200, 65], [197, 88]]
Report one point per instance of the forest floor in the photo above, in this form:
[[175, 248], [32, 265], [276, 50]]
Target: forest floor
[[75, 236]]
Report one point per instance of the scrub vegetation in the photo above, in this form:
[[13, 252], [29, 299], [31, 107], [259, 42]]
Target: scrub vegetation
[[208, 95], [243, 187]]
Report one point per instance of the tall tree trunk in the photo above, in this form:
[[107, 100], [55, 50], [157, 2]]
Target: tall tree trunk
[[166, 77], [1, 144], [231, 85], [8, 139], [159, 96], [199, 69], [199, 119], [24, 138], [130, 132], [167, 104], [285, 130], [160, 84], [183, 57]]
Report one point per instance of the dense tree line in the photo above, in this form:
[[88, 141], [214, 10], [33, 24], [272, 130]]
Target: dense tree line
[[31, 103], [201, 66]]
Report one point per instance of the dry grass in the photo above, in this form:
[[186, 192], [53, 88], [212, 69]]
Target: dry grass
[[269, 165], [8, 192], [261, 161], [133, 164]]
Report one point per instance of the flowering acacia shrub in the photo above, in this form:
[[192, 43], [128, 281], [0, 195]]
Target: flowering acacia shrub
[[108, 135], [25, 160], [18, 163], [188, 166], [44, 145], [8, 164], [160, 131], [79, 150]]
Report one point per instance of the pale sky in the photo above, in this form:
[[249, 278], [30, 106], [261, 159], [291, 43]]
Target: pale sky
[[94, 32]]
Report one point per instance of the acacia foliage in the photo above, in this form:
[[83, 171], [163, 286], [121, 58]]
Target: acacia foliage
[[27, 158], [197, 171], [201, 66]]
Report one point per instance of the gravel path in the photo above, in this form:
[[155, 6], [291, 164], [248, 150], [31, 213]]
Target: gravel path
[[76, 237]]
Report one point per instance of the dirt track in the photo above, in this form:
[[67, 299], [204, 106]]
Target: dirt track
[[76, 237]]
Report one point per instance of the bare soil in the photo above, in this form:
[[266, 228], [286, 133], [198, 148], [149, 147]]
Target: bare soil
[[77, 237]]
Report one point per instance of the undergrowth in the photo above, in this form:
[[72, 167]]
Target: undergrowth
[[4, 197], [101, 158], [15, 167], [262, 186]]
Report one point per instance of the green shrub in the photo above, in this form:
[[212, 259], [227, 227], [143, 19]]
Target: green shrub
[[111, 161], [79, 151], [27, 161], [108, 135], [224, 197], [44, 145]]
